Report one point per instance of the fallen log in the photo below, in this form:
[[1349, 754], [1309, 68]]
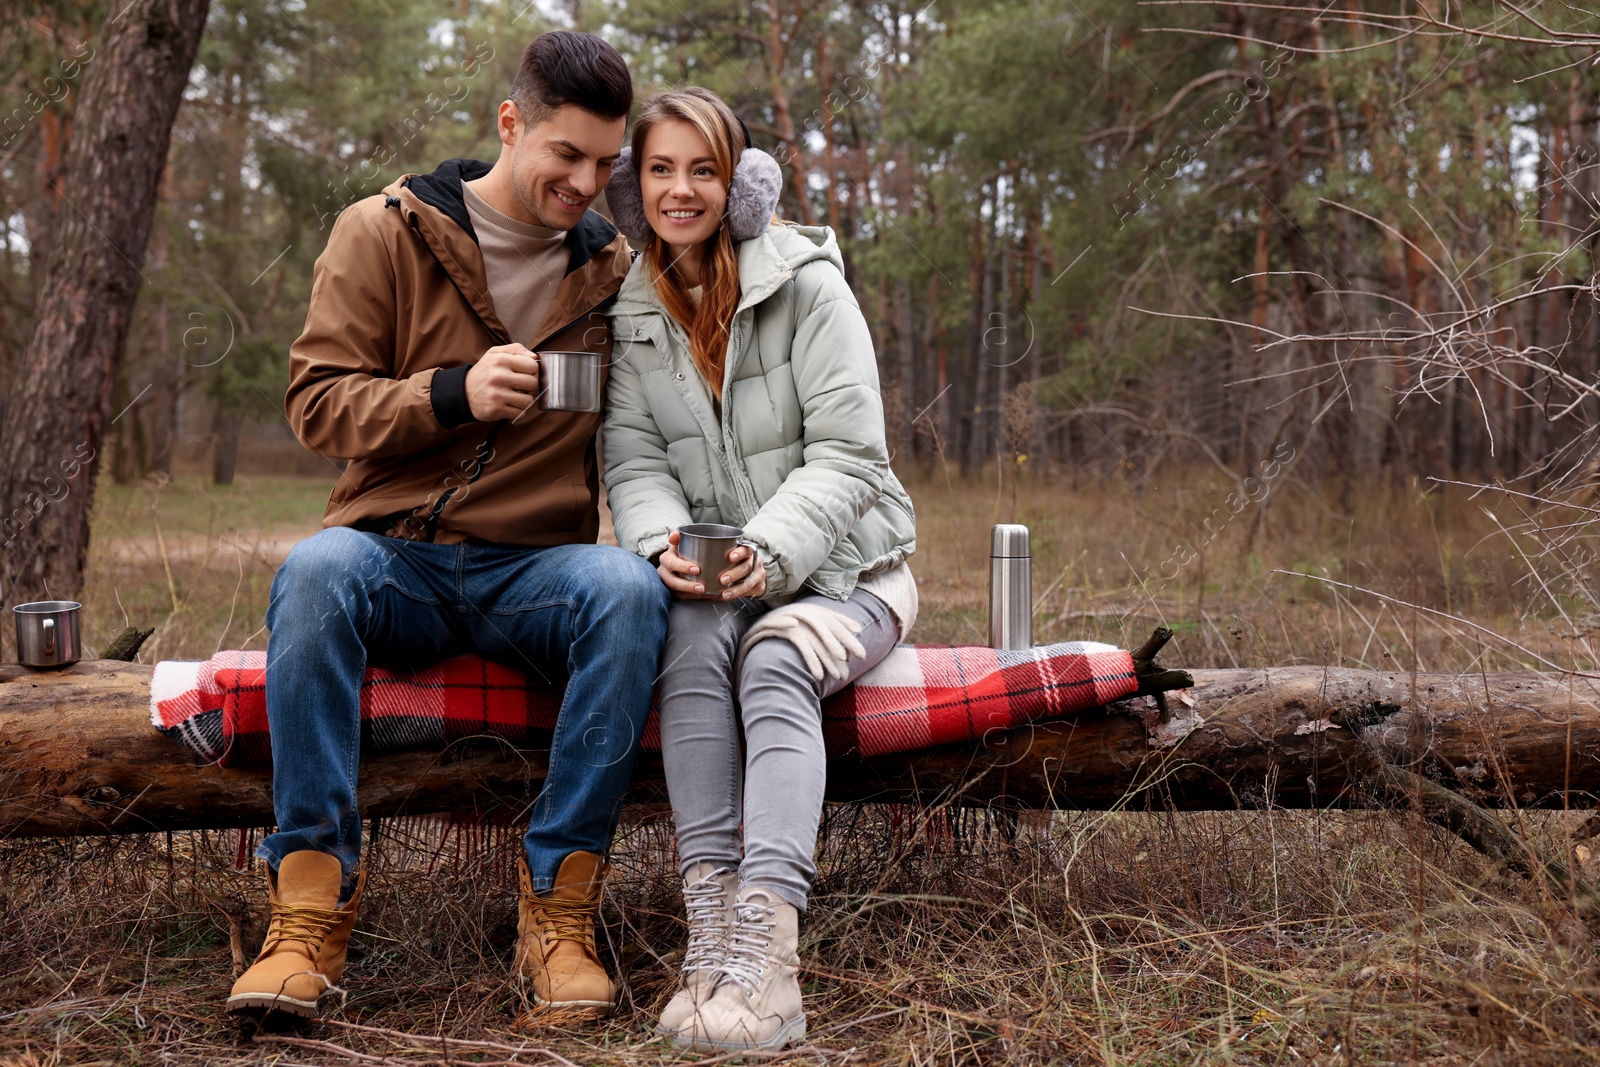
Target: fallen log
[[78, 754]]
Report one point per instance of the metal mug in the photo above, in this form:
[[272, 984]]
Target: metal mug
[[571, 381], [47, 633], [707, 544]]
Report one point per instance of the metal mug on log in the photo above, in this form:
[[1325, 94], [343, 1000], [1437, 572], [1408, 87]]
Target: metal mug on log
[[47, 633]]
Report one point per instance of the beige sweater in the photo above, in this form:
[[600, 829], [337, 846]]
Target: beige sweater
[[525, 265]]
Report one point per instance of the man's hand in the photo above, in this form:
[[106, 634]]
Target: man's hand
[[503, 384]]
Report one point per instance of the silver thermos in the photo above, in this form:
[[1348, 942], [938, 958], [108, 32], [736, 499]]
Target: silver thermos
[[1010, 588]]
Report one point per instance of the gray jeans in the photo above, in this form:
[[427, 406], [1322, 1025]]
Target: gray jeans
[[775, 785]]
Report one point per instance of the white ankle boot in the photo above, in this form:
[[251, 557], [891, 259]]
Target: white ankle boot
[[708, 894], [755, 1003]]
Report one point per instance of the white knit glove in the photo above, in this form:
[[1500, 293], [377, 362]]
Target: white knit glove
[[825, 638]]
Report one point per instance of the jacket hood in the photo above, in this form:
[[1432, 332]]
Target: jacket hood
[[804, 243], [441, 190], [765, 264]]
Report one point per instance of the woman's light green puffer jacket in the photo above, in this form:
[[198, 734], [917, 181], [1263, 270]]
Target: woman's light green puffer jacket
[[799, 458]]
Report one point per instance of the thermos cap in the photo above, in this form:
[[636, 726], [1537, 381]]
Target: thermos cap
[[1010, 540]]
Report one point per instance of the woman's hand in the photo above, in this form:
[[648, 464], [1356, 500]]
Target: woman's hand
[[678, 574], [746, 576]]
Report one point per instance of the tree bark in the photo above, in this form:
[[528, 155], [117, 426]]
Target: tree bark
[[225, 445], [44, 205], [78, 754], [777, 55], [62, 401]]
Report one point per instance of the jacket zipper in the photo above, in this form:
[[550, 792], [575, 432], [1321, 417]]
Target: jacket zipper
[[723, 438], [574, 322], [741, 481], [411, 221]]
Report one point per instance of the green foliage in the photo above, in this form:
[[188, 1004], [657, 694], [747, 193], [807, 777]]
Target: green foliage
[[294, 112], [1095, 182]]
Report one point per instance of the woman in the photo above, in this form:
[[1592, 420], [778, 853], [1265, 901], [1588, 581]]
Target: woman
[[744, 391]]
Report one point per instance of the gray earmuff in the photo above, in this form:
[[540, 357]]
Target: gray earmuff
[[752, 198]]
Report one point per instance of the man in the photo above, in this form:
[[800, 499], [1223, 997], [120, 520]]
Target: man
[[465, 521]]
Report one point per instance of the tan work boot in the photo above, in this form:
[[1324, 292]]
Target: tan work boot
[[302, 960], [708, 894], [756, 1002], [555, 937]]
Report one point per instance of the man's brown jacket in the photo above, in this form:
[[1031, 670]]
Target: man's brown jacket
[[400, 310]]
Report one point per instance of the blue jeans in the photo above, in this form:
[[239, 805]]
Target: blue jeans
[[591, 617]]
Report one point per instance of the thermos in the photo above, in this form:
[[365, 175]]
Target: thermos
[[1010, 588]]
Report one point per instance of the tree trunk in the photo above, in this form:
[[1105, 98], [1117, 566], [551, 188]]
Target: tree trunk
[[225, 445], [90, 278], [44, 206], [777, 55], [977, 379], [163, 405], [78, 754]]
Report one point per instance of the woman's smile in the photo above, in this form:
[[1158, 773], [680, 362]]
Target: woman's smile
[[685, 195]]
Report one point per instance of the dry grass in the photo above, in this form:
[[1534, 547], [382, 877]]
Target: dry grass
[[1107, 566], [946, 937]]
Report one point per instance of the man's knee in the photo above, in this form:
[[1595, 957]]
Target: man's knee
[[639, 584], [332, 560], [625, 585]]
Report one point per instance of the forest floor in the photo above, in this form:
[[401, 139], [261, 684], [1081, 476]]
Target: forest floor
[[934, 937]]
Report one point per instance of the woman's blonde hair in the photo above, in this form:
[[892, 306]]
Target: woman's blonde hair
[[709, 324]]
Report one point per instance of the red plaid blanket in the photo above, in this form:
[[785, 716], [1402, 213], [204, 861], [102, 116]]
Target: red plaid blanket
[[919, 695]]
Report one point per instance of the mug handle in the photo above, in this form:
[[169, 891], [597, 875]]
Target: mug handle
[[751, 545], [49, 626]]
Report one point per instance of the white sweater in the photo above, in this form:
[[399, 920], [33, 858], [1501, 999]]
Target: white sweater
[[898, 590]]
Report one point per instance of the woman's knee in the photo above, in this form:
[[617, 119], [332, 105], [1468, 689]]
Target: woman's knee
[[775, 663], [701, 635], [779, 701]]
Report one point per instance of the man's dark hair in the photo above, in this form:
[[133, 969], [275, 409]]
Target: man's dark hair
[[565, 67]]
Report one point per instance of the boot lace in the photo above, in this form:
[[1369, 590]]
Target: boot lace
[[301, 922], [703, 900], [568, 920], [746, 958]]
